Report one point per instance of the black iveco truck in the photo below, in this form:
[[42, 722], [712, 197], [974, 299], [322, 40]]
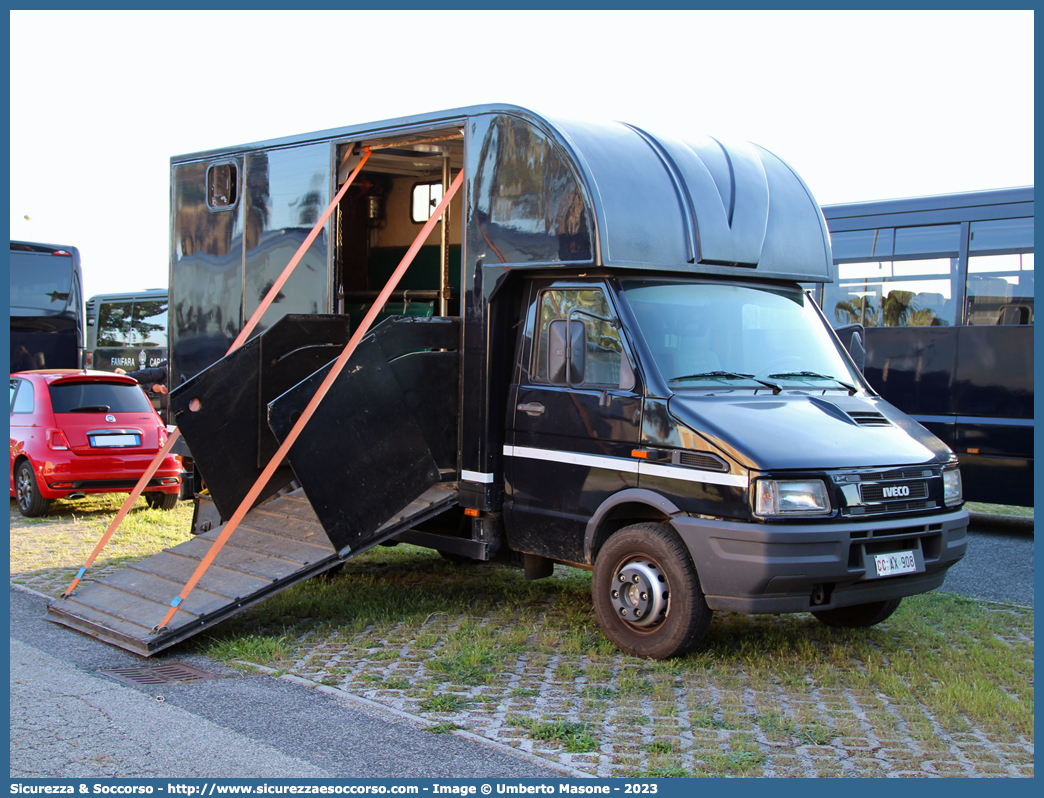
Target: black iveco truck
[[604, 357]]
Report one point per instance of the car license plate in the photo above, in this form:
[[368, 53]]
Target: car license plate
[[896, 562], [103, 441]]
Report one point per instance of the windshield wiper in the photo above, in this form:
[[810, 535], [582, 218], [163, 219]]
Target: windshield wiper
[[729, 375], [812, 375], [91, 409]]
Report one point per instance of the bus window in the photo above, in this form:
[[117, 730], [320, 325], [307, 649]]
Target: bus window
[[1001, 234], [150, 323], [114, 324], [902, 293], [1000, 289], [941, 238]]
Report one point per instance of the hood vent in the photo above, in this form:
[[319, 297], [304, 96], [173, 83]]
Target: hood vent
[[868, 418]]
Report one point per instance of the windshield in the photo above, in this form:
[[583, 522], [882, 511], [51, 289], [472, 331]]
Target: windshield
[[40, 283], [705, 334], [98, 397]]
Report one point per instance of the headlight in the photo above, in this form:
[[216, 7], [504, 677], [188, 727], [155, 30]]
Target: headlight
[[952, 493], [797, 497]]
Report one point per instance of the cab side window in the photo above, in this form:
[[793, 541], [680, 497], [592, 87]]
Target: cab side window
[[604, 359], [21, 396]]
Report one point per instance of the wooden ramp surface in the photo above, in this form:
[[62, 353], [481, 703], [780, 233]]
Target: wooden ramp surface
[[278, 544]]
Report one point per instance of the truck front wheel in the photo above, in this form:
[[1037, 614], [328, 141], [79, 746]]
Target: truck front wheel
[[868, 614], [647, 594]]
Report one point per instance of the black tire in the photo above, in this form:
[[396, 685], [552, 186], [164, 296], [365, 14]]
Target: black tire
[[30, 503], [676, 618], [859, 614], [162, 501]]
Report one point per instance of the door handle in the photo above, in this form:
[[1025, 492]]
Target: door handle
[[533, 408]]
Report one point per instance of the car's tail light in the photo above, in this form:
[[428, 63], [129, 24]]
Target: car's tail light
[[56, 440], [162, 436]]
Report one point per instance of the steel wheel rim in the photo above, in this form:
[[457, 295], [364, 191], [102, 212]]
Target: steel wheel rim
[[639, 593]]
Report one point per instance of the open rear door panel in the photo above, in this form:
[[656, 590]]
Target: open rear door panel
[[222, 411], [366, 468], [371, 448]]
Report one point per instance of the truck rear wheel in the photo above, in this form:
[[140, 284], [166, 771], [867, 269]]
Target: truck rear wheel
[[647, 594], [859, 614]]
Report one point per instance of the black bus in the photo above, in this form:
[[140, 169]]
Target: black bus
[[943, 286], [47, 311]]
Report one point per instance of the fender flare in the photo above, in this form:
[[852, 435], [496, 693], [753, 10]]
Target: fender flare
[[628, 496]]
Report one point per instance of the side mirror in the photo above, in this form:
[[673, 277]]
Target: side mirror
[[851, 336], [566, 352]]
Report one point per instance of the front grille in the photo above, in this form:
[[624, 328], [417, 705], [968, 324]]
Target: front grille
[[892, 507], [901, 492]]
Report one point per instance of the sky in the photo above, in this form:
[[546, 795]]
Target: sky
[[863, 105]]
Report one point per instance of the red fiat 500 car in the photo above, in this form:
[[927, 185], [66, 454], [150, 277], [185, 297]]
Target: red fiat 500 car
[[80, 432]]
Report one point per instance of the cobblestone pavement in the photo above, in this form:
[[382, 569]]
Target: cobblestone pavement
[[665, 724], [611, 715]]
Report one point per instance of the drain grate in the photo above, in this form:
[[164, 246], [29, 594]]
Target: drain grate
[[164, 673]]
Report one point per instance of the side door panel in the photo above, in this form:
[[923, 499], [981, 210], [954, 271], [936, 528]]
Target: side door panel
[[569, 448]]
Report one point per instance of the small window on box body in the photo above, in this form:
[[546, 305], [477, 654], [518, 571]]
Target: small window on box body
[[222, 186], [426, 197]]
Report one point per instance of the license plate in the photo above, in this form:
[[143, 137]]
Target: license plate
[[103, 441], [897, 562]]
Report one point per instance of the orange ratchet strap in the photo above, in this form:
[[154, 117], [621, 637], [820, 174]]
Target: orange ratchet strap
[[273, 292]]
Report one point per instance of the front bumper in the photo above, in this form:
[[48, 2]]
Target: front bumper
[[763, 568]]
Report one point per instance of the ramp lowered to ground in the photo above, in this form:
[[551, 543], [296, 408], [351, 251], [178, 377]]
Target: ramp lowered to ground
[[278, 544], [374, 461]]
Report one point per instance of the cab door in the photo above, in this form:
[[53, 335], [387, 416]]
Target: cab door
[[573, 419]]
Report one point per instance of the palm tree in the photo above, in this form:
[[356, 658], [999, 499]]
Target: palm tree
[[895, 308]]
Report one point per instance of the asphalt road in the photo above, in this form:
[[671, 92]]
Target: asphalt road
[[67, 720], [999, 562]]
